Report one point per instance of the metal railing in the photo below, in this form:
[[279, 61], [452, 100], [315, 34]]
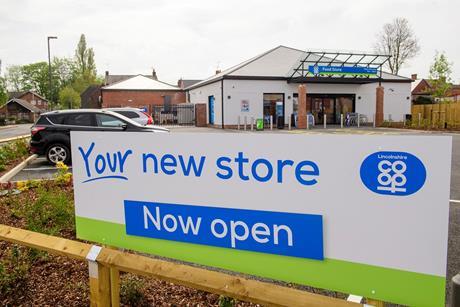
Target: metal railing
[[174, 115]]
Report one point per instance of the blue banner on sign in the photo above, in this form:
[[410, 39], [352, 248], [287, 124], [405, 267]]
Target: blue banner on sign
[[341, 70], [287, 234]]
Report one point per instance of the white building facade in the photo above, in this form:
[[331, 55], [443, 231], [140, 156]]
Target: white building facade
[[261, 87]]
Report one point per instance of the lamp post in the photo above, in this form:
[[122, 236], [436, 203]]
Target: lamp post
[[50, 90]]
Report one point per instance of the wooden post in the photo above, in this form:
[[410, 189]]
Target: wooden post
[[99, 279], [99, 286], [115, 287]]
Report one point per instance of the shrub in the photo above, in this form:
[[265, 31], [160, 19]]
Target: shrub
[[12, 151], [52, 212], [132, 290], [225, 301], [14, 269]]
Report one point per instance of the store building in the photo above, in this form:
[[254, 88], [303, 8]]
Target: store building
[[290, 83]]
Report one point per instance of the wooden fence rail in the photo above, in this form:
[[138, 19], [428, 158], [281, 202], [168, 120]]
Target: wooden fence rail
[[105, 264]]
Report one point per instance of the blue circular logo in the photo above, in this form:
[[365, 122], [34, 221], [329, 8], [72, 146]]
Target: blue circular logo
[[393, 173]]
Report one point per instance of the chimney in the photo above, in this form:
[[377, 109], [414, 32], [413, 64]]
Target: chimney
[[180, 83], [413, 77], [218, 71], [106, 77], [154, 74]]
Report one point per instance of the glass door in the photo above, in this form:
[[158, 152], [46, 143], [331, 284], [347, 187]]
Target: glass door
[[331, 105], [274, 106]]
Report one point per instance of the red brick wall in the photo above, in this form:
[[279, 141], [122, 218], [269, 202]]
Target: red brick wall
[[138, 99], [39, 103]]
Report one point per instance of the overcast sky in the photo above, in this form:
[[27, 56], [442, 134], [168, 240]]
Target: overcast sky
[[190, 39]]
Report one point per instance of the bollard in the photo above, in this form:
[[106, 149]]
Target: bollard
[[308, 122], [373, 121], [358, 120], [419, 119], [455, 299], [252, 123], [271, 122], [245, 123], [324, 121], [289, 122], [239, 119], [341, 120]]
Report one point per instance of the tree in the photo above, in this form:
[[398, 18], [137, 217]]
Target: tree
[[440, 72], [397, 40], [69, 98], [14, 78], [3, 91], [85, 58], [35, 77]]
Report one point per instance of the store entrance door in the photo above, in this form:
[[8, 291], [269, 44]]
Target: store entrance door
[[331, 105], [274, 108]]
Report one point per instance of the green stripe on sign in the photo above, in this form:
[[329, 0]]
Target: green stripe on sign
[[390, 285]]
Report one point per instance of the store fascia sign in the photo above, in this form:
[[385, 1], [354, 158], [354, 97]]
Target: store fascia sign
[[300, 215], [342, 70]]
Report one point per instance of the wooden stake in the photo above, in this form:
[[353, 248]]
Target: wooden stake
[[115, 287], [99, 284]]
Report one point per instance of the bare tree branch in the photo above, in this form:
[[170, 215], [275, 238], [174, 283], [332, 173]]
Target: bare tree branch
[[397, 40]]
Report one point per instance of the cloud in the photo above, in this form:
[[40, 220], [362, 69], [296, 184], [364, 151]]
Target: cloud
[[191, 38]]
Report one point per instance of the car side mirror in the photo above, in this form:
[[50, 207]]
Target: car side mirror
[[124, 126]]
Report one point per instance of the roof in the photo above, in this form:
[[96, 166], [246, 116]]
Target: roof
[[140, 82], [276, 63], [25, 104], [189, 82], [22, 93], [90, 90]]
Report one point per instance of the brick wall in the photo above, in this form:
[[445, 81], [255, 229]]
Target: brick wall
[[39, 103], [136, 99]]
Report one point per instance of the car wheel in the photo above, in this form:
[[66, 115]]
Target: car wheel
[[58, 153]]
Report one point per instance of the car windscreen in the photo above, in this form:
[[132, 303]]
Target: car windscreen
[[128, 114], [126, 119]]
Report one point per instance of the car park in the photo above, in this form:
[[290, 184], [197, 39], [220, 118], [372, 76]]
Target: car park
[[135, 114], [50, 135]]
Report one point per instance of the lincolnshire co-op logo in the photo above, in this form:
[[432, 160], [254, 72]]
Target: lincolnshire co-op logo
[[393, 173]]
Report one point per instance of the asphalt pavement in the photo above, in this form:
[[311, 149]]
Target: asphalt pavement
[[7, 132]]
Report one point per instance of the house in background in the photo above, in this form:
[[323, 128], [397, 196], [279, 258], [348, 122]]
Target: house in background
[[139, 91], [20, 110], [32, 98], [91, 97], [422, 91]]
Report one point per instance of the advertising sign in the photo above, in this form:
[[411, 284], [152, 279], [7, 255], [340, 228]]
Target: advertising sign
[[244, 105], [341, 70], [366, 215]]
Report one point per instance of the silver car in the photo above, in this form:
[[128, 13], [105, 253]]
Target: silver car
[[135, 114]]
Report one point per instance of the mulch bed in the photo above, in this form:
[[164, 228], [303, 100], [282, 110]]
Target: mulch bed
[[60, 281], [11, 165]]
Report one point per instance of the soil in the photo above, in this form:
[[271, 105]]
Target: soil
[[61, 281]]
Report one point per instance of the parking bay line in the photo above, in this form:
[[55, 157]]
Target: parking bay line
[[455, 201]]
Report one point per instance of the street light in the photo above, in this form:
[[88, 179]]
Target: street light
[[49, 66]]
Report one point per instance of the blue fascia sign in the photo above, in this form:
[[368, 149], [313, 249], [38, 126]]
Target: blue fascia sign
[[281, 233], [341, 70]]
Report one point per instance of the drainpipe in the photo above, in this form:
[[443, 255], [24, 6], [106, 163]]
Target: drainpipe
[[222, 101]]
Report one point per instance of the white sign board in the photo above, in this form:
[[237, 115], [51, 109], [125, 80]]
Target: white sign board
[[366, 215]]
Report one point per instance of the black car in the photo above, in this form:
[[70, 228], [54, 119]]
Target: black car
[[50, 135]]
